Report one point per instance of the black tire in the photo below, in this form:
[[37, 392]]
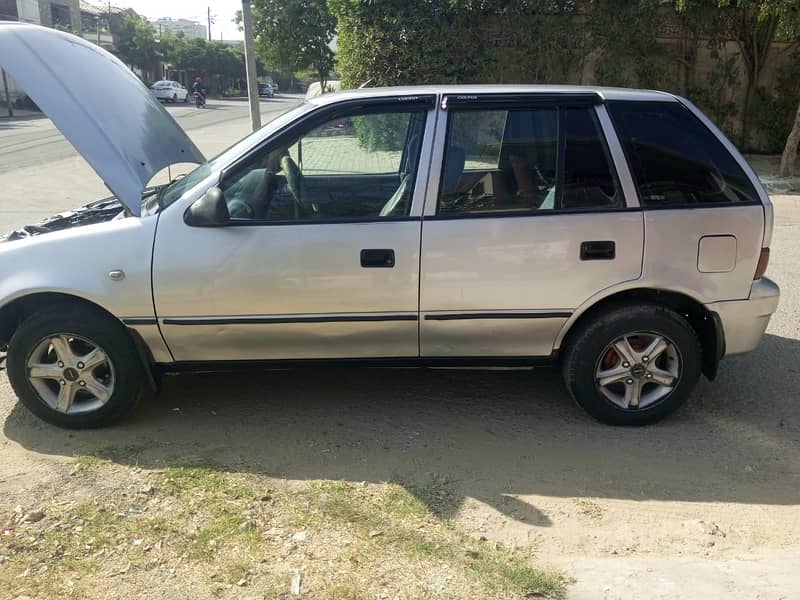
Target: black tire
[[174, 98], [587, 346], [85, 322]]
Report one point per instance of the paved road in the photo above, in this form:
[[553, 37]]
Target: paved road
[[36, 141], [41, 174]]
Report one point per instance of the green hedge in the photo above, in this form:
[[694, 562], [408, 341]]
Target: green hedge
[[402, 42], [398, 42]]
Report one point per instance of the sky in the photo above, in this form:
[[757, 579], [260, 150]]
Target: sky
[[222, 11]]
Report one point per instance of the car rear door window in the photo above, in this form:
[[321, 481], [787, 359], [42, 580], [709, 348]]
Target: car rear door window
[[675, 159], [507, 161], [589, 181]]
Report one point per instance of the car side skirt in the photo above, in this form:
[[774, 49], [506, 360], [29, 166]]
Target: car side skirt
[[520, 362]]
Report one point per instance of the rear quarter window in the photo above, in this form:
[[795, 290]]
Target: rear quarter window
[[675, 159]]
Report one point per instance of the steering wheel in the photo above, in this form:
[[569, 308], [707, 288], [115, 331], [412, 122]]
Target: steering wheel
[[294, 181]]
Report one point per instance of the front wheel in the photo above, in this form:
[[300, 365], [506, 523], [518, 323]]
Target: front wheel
[[633, 365], [75, 367]]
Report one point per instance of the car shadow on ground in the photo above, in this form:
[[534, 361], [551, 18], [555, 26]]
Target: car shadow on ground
[[496, 436]]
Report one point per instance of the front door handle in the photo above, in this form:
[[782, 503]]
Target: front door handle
[[375, 258], [598, 250]]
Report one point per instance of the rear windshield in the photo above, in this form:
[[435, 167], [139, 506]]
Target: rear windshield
[[675, 159]]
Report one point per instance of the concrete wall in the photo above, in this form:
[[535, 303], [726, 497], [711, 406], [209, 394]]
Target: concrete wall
[[705, 66], [28, 10]]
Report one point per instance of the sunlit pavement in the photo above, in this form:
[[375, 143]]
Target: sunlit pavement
[[41, 173]]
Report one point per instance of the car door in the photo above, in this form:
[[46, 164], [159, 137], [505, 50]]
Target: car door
[[321, 256], [529, 219]]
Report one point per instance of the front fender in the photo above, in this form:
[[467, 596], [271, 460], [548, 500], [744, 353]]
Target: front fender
[[77, 262]]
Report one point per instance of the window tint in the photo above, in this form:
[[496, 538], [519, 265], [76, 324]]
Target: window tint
[[352, 167], [588, 180], [675, 159], [498, 161], [368, 144], [506, 161]]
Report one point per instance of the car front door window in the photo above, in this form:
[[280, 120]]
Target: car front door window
[[355, 167]]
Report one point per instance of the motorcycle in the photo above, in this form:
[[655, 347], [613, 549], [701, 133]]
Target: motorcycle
[[199, 99]]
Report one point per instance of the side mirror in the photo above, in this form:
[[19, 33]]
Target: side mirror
[[209, 211]]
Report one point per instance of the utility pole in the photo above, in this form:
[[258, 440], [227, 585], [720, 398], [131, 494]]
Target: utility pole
[[250, 62], [8, 95], [209, 23]]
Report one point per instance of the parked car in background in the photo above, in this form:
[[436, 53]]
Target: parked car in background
[[265, 90], [315, 88], [170, 91], [615, 233]]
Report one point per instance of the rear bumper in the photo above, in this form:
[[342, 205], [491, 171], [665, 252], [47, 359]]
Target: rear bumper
[[744, 321]]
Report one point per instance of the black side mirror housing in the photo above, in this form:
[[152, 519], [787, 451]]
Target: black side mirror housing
[[209, 211]]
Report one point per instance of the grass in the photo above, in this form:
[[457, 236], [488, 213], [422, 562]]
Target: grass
[[217, 530]]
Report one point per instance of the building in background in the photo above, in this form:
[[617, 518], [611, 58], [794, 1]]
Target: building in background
[[20, 10], [189, 28], [94, 24], [82, 18], [64, 14]]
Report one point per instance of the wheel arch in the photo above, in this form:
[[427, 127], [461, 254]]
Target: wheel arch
[[706, 323], [17, 310]]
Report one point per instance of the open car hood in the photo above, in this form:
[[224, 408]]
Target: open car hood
[[99, 105]]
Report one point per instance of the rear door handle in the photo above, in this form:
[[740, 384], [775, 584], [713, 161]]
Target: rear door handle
[[598, 250], [376, 258]]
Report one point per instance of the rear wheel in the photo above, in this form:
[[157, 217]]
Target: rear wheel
[[75, 367], [633, 365]]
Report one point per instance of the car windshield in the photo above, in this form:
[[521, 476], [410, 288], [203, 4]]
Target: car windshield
[[161, 84], [178, 187]]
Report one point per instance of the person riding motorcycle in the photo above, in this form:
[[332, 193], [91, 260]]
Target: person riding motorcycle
[[199, 88]]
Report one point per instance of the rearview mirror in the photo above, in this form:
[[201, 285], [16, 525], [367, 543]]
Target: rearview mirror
[[209, 211]]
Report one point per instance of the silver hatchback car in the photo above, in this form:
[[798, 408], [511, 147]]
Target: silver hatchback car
[[614, 232]]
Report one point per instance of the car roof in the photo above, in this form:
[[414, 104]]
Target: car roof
[[607, 93]]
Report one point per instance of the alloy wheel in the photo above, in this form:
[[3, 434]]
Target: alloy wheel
[[71, 374], [638, 370]]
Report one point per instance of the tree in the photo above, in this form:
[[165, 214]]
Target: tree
[[789, 156], [295, 35], [753, 28], [753, 25], [789, 13], [134, 39]]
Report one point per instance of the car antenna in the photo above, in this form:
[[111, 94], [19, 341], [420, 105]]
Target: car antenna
[[367, 83]]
